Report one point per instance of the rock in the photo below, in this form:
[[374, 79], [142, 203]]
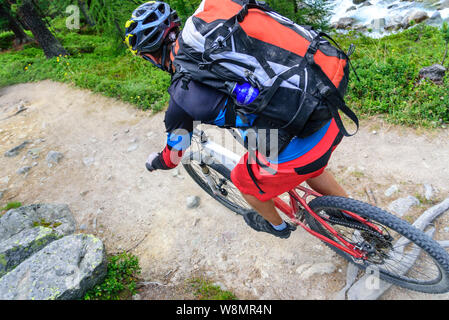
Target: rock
[[378, 24], [429, 192], [444, 4], [434, 73], [24, 170], [34, 153], [391, 190], [2, 192], [393, 23], [366, 4], [308, 270], [133, 147], [63, 270], [344, 23], [435, 19], [358, 1], [193, 202], [4, 180], [402, 205], [351, 8], [15, 151], [22, 245], [88, 161], [16, 220], [416, 16], [53, 157]]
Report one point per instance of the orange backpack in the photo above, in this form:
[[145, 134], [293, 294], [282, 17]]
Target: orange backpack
[[302, 78]]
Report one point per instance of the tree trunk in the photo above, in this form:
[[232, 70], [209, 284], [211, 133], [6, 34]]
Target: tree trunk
[[15, 26], [83, 9], [43, 36]]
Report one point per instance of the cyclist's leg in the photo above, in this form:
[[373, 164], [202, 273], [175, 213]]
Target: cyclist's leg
[[327, 185], [265, 208]]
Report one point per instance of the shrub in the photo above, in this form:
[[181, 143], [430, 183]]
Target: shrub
[[120, 281]]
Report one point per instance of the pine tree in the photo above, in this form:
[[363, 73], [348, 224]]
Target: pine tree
[[29, 13]]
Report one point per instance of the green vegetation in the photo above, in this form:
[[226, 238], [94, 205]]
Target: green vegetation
[[388, 68], [9, 206], [120, 281], [389, 77], [205, 290], [46, 224], [94, 64]]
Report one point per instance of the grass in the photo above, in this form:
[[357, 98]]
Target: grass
[[205, 290], [9, 206], [120, 281], [388, 68], [389, 77], [94, 63]]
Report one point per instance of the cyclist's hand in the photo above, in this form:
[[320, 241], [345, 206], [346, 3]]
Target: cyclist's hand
[[149, 163]]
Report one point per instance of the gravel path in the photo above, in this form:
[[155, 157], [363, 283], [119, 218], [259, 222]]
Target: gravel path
[[101, 175]]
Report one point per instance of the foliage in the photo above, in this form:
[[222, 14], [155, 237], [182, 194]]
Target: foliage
[[6, 39], [445, 34], [307, 12], [120, 281], [9, 206], [93, 64], [389, 77], [206, 290]]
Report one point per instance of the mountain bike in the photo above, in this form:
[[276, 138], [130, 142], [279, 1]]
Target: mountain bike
[[359, 232]]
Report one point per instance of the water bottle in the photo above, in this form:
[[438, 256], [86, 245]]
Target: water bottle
[[245, 93]]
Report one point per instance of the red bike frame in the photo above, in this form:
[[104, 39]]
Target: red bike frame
[[293, 208]]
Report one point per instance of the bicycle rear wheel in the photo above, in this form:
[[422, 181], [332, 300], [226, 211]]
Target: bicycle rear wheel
[[220, 177], [402, 254]]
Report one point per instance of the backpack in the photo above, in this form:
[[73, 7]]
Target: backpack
[[301, 77]]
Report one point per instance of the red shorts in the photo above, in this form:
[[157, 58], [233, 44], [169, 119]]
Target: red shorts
[[288, 175]]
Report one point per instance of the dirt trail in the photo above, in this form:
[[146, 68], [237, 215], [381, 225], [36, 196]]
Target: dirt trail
[[102, 178]]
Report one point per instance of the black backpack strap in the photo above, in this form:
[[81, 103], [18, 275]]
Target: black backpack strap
[[329, 92]]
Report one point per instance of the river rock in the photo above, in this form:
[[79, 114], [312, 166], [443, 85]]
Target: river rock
[[22, 245], [434, 73], [64, 270], [417, 16], [378, 24], [435, 19], [358, 1], [402, 205], [393, 23], [444, 4], [16, 220], [344, 23]]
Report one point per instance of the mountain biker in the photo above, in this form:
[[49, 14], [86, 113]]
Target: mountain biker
[[151, 33]]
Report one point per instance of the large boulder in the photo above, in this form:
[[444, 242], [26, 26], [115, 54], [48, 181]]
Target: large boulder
[[65, 269], [434, 73], [16, 220], [416, 16], [22, 245]]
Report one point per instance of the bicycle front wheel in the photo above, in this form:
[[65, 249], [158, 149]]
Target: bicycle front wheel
[[215, 179], [402, 254]]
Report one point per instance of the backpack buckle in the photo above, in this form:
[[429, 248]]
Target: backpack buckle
[[204, 65]]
